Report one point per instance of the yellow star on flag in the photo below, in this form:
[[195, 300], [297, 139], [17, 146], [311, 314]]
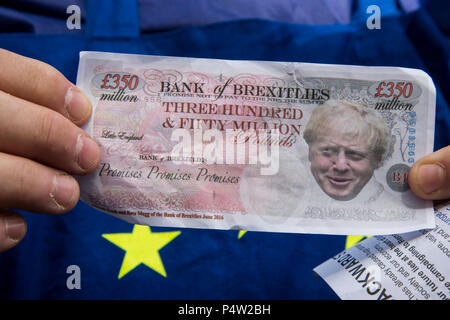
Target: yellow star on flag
[[353, 240], [349, 242], [241, 233], [141, 246]]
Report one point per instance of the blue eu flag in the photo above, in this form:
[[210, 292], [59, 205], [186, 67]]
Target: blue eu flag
[[86, 254]]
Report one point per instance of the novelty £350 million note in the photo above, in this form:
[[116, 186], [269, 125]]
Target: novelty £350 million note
[[268, 146]]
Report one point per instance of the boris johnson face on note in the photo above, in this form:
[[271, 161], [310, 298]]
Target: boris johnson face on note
[[341, 166], [346, 143]]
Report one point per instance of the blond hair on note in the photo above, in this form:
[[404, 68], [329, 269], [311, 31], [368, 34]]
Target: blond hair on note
[[352, 119]]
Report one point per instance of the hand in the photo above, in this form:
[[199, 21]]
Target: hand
[[429, 178], [40, 142]]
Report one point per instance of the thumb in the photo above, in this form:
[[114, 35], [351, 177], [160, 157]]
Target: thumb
[[429, 178], [12, 229]]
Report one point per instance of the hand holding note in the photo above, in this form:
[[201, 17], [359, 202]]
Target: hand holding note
[[41, 143], [430, 178]]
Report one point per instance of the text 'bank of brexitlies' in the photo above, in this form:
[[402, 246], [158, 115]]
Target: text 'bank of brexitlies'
[[257, 145]]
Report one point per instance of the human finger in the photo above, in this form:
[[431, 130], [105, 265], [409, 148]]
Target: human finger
[[12, 229], [31, 186], [39, 82], [429, 178], [41, 134]]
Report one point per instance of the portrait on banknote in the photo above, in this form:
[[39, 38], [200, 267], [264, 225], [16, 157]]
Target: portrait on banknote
[[347, 143]]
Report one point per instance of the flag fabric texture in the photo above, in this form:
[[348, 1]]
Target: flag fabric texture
[[117, 260]]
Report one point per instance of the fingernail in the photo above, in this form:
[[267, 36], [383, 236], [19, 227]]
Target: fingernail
[[77, 104], [431, 177], [15, 227], [86, 152], [63, 190]]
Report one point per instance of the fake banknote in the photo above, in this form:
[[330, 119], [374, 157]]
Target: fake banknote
[[257, 145]]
